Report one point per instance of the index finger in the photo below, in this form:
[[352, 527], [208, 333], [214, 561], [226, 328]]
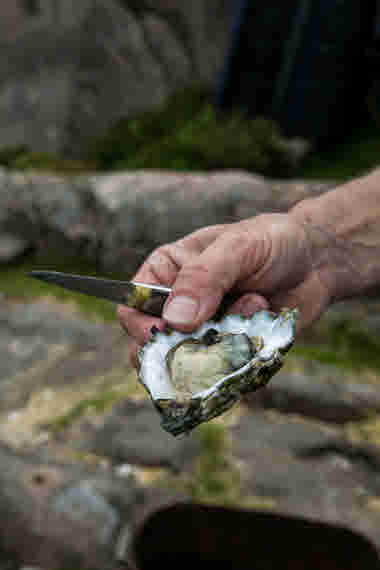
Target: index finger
[[163, 264], [162, 268]]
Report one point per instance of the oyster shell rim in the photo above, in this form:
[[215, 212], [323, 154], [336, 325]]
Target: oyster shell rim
[[182, 415]]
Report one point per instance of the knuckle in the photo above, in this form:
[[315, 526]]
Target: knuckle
[[163, 254], [158, 255]]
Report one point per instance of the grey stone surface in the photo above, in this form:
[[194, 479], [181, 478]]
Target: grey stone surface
[[42, 347], [320, 391], [288, 463], [12, 247], [63, 513], [334, 484], [69, 69], [132, 434], [113, 221]]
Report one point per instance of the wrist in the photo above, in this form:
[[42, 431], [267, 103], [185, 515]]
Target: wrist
[[342, 229]]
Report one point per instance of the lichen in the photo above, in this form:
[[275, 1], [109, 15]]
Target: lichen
[[367, 430]]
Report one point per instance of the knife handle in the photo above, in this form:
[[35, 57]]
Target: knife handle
[[150, 300]]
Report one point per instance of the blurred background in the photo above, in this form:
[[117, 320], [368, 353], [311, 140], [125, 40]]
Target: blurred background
[[125, 124]]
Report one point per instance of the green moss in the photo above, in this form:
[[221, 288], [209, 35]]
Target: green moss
[[345, 344], [22, 158], [188, 134], [367, 430], [216, 479], [9, 155], [130, 137], [50, 162], [15, 284]]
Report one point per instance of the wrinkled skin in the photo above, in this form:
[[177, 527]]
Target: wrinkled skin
[[265, 260]]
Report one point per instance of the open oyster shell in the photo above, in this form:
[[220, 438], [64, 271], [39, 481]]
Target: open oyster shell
[[194, 377]]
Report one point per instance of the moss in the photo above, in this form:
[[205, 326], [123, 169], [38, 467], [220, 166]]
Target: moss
[[50, 162], [345, 345], [9, 155], [367, 430], [22, 158], [216, 480], [130, 136], [188, 134]]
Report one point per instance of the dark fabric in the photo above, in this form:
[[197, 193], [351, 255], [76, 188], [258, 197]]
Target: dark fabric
[[301, 62]]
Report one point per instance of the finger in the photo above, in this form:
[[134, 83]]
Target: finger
[[162, 267], [200, 239], [137, 324], [202, 283], [163, 263], [311, 298], [249, 304], [133, 350]]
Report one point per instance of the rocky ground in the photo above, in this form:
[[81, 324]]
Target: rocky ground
[[88, 478], [82, 451]]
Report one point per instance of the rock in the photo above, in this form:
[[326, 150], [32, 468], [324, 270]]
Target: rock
[[320, 391], [70, 471], [68, 69], [132, 434], [294, 466], [12, 247], [53, 215], [45, 347], [62, 514], [113, 221]]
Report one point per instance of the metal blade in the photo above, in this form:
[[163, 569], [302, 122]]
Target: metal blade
[[144, 297]]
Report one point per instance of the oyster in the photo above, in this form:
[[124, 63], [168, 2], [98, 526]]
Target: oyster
[[194, 377]]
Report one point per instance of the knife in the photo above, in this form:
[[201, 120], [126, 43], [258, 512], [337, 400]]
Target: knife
[[147, 298]]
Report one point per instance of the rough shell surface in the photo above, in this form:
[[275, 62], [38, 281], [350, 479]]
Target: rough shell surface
[[195, 377]]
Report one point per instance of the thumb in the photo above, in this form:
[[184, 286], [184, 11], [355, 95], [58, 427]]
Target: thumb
[[202, 282]]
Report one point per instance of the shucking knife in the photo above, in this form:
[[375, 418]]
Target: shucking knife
[[147, 298]]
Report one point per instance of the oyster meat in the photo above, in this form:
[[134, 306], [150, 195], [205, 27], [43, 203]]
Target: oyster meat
[[194, 377]]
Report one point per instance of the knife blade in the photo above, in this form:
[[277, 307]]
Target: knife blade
[[144, 297]]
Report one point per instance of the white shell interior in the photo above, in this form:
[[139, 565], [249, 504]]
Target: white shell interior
[[276, 331]]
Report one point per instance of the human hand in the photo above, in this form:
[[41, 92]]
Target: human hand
[[264, 260]]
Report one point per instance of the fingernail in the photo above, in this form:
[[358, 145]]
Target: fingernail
[[181, 310]]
